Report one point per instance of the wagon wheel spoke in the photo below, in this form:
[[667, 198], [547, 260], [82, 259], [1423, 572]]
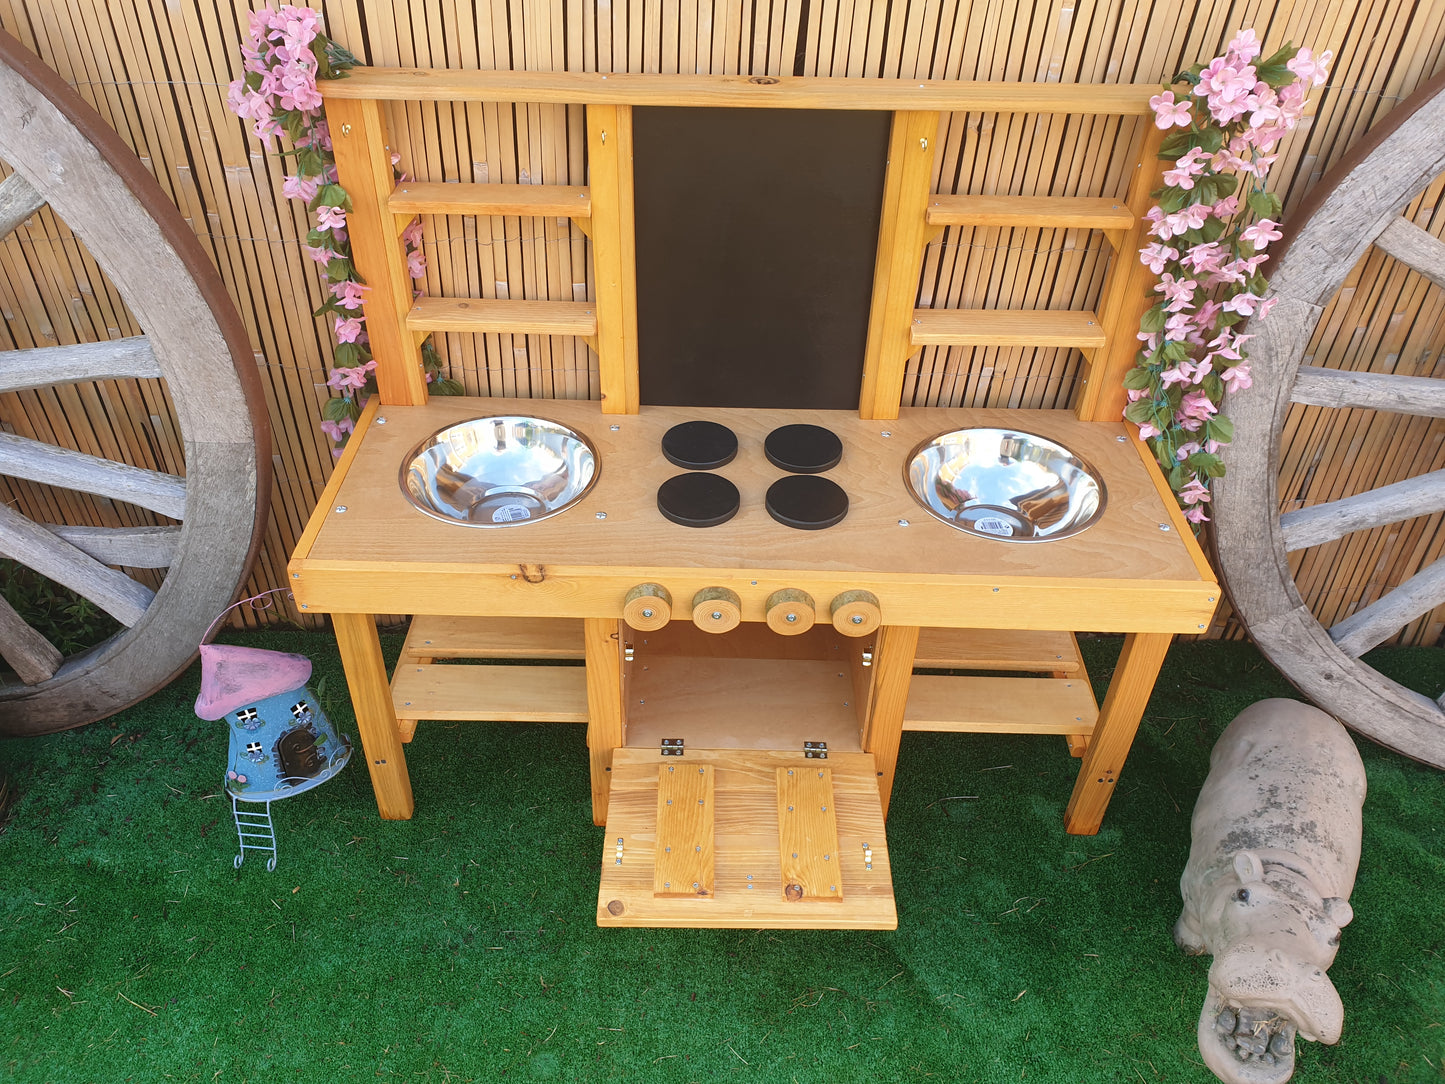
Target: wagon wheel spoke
[[1320, 523], [114, 359], [1374, 624], [18, 201], [36, 461], [30, 655], [1414, 247], [1420, 395]]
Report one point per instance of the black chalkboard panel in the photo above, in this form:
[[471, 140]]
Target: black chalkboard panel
[[756, 235]]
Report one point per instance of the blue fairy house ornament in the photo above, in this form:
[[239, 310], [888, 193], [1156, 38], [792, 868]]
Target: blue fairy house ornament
[[282, 743]]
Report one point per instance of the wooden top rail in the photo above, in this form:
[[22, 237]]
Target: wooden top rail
[[753, 91]]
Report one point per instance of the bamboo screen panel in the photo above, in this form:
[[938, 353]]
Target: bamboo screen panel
[[157, 70]]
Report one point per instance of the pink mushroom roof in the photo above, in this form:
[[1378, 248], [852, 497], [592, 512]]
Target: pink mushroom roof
[[235, 677]]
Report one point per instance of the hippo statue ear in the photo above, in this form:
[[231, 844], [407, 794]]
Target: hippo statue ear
[[1248, 867], [1339, 910]]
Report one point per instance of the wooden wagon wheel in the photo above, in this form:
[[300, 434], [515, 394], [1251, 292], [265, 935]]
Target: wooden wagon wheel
[[1357, 205], [64, 155]]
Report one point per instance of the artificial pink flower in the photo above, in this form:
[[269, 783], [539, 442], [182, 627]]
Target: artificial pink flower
[[1168, 112], [1196, 492], [330, 218], [1245, 46], [302, 188], [1196, 514], [1155, 256], [1261, 233], [348, 328], [1309, 69], [1242, 303], [349, 295], [1237, 378]]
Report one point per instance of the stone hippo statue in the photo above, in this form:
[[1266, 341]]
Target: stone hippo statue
[[1275, 846]]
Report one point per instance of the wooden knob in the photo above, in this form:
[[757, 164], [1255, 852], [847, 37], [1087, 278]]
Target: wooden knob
[[647, 607], [791, 612], [716, 609], [856, 613]]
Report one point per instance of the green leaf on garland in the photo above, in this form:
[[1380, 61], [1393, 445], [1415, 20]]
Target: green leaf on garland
[[1213, 386], [1175, 352], [338, 270], [333, 195], [448, 387], [1173, 199], [1138, 379], [347, 355], [1213, 229], [1175, 146], [1266, 205], [1219, 428], [1211, 139], [1152, 322], [1178, 476], [309, 161], [335, 409], [1139, 411]]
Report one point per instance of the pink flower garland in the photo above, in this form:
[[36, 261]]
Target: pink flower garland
[[284, 57], [1207, 248]]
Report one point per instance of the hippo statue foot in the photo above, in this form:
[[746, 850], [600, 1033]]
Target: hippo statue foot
[[1246, 1044]]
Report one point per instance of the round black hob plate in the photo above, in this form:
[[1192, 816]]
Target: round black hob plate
[[699, 445], [803, 449], [698, 500], [807, 502]]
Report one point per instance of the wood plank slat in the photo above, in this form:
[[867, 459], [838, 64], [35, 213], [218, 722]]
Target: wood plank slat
[[1045, 212], [1320, 523], [1374, 624], [36, 461], [1419, 249], [1423, 396], [483, 315], [745, 91], [685, 838], [36, 548], [502, 694], [1000, 705], [993, 327], [808, 834], [524, 200], [112, 359], [18, 201]]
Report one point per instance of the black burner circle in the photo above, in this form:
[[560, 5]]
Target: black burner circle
[[699, 445], [698, 500], [807, 502], [803, 449]]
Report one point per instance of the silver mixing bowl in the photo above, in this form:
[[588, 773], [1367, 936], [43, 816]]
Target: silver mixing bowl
[[1000, 483], [500, 471]]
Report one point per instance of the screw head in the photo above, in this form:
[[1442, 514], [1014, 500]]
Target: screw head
[[790, 618], [1164, 526], [601, 515], [903, 523], [341, 508], [615, 428], [646, 613], [857, 619], [717, 615], [380, 421]]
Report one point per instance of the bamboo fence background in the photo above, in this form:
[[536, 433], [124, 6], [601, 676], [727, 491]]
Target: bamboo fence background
[[157, 71]]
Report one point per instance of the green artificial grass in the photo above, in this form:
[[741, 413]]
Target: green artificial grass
[[460, 945]]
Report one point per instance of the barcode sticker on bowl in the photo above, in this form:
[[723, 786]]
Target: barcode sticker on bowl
[[991, 525], [511, 513]]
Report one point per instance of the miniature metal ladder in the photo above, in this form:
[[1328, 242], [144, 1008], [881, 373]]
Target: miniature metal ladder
[[254, 830]]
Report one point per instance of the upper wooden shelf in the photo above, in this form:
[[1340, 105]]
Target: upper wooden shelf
[[474, 315], [1049, 212], [751, 91], [1006, 327], [526, 200]]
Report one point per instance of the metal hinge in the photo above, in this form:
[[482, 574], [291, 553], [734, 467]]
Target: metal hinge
[[815, 750], [672, 747]]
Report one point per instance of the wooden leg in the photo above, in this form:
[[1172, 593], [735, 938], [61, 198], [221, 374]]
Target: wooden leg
[[602, 644], [406, 727], [892, 672], [375, 716], [1118, 722]]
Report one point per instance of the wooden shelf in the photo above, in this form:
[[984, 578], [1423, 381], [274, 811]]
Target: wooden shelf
[[479, 315], [1000, 705], [434, 637], [526, 200], [998, 649], [502, 694], [1047, 212], [1006, 327]]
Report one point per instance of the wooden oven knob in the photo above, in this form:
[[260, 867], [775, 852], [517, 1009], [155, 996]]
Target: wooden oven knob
[[647, 607], [791, 612], [716, 609], [856, 613]]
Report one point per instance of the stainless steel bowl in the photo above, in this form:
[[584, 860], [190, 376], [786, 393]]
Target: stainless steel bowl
[[1001, 483], [500, 471]]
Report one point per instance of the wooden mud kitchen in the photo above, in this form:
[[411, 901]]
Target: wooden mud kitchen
[[752, 550]]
